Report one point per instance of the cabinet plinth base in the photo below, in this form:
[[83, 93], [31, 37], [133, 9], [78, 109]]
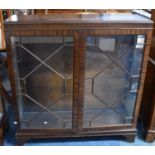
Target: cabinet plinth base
[[21, 141], [24, 136], [150, 137], [130, 138]]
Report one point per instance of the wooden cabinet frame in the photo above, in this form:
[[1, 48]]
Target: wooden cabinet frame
[[79, 31], [147, 112], [2, 31]]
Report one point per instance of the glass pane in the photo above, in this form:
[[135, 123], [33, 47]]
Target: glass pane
[[44, 81], [113, 66]]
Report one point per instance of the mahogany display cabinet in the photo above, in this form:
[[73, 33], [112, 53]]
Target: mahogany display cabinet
[[4, 98], [147, 112], [77, 75], [2, 115], [2, 118]]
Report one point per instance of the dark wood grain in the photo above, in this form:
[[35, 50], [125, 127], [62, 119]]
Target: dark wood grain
[[74, 11], [147, 112], [2, 32], [55, 11], [78, 18]]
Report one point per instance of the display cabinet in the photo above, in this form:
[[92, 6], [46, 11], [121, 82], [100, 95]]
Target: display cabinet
[[3, 100], [2, 43], [147, 114], [1, 121], [3, 15], [148, 104], [1, 118], [76, 11], [77, 75], [2, 112]]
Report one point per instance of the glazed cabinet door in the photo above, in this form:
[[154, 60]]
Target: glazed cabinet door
[[43, 69], [111, 79]]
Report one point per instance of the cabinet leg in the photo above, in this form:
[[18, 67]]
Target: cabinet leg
[[21, 141], [129, 138], [1, 136], [150, 137]]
